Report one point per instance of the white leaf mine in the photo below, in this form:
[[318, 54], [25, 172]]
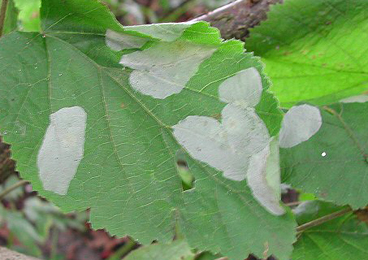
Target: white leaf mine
[[164, 69], [163, 31], [227, 147], [263, 178], [62, 149], [121, 41], [300, 123], [244, 88], [239, 145]]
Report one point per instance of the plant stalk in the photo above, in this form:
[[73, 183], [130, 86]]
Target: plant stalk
[[321, 220], [4, 6], [11, 188]]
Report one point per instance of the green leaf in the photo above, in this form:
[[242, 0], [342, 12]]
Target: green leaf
[[341, 238], [119, 158], [333, 163], [314, 51], [177, 250], [83, 16], [11, 18]]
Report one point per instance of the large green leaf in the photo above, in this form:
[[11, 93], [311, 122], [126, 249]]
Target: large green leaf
[[333, 163], [342, 238], [314, 51], [120, 156]]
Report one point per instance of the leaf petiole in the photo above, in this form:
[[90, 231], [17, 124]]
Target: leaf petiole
[[321, 220]]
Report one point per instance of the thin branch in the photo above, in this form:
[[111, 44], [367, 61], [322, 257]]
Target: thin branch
[[235, 19], [319, 221], [11, 188], [4, 6]]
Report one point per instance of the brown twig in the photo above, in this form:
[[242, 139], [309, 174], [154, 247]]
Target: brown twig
[[4, 6], [235, 19]]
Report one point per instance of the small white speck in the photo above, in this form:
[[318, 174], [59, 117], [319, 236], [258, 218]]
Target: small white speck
[[323, 154], [60, 74]]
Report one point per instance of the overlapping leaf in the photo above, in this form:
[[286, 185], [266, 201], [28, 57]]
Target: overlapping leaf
[[333, 163], [314, 51], [128, 174], [345, 237]]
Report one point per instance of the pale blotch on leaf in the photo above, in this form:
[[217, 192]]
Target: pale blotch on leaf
[[299, 124], [227, 147], [163, 31], [355, 99], [62, 149], [164, 69], [244, 89], [121, 41], [263, 178], [239, 146]]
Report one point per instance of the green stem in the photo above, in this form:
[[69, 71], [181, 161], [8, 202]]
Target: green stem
[[11, 188], [319, 221], [4, 6]]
